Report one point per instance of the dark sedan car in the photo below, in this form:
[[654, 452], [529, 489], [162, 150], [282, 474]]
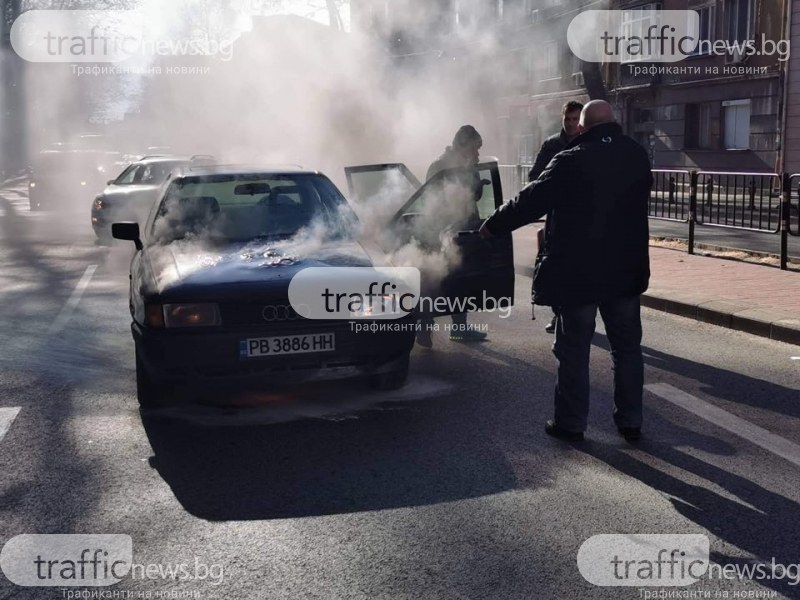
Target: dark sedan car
[[209, 290], [213, 273], [131, 194]]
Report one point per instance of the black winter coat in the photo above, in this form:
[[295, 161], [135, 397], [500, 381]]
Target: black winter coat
[[551, 146], [596, 193]]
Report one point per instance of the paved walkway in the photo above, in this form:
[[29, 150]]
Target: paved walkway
[[758, 299]]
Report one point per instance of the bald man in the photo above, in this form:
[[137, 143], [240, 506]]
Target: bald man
[[595, 195]]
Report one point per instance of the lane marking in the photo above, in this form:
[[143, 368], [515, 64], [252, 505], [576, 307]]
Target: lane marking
[[730, 422], [7, 416], [795, 357], [72, 303]]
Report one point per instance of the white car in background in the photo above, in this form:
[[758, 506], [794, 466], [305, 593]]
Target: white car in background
[[130, 195]]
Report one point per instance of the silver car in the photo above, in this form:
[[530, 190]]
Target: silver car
[[130, 196]]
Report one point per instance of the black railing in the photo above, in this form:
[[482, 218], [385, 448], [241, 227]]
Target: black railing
[[740, 200], [759, 202], [793, 204], [670, 196]]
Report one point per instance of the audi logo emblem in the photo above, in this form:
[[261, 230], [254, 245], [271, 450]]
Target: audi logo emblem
[[278, 312]]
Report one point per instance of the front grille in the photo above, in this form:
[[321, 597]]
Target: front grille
[[258, 313]]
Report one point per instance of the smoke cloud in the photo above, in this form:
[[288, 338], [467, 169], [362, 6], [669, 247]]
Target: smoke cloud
[[294, 91]]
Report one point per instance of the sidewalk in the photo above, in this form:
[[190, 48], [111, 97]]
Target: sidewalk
[[753, 298]]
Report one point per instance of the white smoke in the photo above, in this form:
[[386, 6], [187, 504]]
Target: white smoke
[[298, 92]]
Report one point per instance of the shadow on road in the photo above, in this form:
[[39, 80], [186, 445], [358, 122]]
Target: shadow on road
[[380, 460], [41, 372], [744, 514], [721, 383], [448, 445]]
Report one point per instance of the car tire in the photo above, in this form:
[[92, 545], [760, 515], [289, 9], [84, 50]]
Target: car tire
[[150, 394], [391, 380]]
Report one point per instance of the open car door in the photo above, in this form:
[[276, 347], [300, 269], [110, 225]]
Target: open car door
[[436, 229]]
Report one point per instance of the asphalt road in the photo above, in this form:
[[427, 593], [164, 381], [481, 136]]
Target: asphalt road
[[448, 488]]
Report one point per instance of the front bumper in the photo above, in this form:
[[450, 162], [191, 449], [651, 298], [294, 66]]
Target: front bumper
[[207, 357], [101, 222]]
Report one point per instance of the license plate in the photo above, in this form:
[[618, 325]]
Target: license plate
[[287, 344]]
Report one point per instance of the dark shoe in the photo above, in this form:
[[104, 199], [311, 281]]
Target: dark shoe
[[424, 338], [470, 335], [550, 428], [551, 326], [631, 434]]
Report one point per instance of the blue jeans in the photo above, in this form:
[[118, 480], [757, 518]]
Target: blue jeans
[[574, 332]]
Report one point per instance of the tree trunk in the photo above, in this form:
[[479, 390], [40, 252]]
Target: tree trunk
[[13, 120], [334, 17]]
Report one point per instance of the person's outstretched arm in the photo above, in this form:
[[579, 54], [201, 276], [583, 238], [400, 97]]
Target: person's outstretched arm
[[533, 201]]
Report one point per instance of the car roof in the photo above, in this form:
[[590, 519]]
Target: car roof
[[162, 158], [200, 170]]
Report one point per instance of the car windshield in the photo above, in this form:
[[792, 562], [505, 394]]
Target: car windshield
[[146, 173], [225, 208]]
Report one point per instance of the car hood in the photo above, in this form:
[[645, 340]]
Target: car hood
[[190, 270]]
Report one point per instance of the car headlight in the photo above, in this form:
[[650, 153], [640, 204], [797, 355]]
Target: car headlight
[[191, 315], [32, 184], [154, 316], [98, 203]]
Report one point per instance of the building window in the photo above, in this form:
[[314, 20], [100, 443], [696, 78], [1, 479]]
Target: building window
[[739, 20], [697, 127], [550, 69], [707, 33], [736, 115], [528, 65], [636, 23]]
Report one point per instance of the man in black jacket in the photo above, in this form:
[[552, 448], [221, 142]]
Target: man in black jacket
[[570, 116], [596, 257]]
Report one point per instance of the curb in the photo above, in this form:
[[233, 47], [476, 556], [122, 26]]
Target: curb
[[756, 321]]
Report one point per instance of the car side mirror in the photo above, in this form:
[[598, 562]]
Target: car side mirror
[[486, 182], [110, 181], [127, 230]]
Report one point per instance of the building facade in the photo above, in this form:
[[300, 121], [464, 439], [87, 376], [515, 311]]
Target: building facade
[[721, 109]]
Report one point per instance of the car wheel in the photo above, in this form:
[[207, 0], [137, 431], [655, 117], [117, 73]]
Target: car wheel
[[392, 380], [150, 394]]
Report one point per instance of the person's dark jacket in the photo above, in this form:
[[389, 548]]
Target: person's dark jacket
[[596, 193], [551, 146]]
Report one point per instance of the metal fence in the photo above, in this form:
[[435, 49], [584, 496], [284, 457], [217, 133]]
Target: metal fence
[[793, 218], [513, 178], [762, 202], [670, 196], [740, 200]]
